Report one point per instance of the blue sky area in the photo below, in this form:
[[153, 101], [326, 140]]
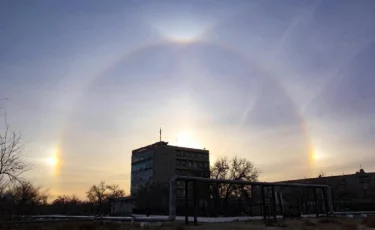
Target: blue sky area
[[287, 84]]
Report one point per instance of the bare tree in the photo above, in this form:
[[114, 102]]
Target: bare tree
[[63, 199], [12, 164], [66, 204], [101, 193], [114, 191], [96, 195], [232, 169], [23, 199]]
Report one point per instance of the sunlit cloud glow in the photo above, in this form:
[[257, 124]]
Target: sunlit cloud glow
[[182, 31], [186, 139]]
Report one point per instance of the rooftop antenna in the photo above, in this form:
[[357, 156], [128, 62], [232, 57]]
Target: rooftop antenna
[[160, 134]]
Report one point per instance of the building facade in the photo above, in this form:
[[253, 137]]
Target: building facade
[[357, 186], [122, 206], [159, 162], [351, 192]]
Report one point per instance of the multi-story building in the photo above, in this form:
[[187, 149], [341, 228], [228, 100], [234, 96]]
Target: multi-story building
[[159, 162], [357, 186], [348, 192]]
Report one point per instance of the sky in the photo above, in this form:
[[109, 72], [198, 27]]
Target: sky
[[288, 85]]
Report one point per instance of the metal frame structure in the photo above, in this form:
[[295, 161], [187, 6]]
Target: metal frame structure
[[326, 190]]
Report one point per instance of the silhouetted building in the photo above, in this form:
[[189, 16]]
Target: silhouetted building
[[349, 192], [159, 162], [122, 206], [358, 186]]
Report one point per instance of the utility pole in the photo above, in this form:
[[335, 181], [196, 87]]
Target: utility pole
[[160, 135]]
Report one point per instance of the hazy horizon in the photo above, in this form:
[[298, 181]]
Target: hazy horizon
[[289, 85]]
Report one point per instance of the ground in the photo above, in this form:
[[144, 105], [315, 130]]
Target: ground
[[305, 224]]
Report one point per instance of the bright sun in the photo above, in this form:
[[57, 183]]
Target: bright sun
[[53, 158], [186, 139], [52, 161], [317, 155]]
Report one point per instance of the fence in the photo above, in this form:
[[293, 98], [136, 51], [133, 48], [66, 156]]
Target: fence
[[265, 199], [267, 204]]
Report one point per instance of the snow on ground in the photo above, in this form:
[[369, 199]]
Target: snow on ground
[[153, 217], [178, 218], [210, 219]]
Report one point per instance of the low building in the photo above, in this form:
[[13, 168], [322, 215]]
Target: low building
[[351, 192], [357, 186], [122, 206]]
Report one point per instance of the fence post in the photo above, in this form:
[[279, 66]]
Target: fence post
[[172, 200], [316, 204], [263, 203], [329, 197], [274, 203], [195, 202], [252, 199], [325, 201], [280, 199], [186, 202]]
